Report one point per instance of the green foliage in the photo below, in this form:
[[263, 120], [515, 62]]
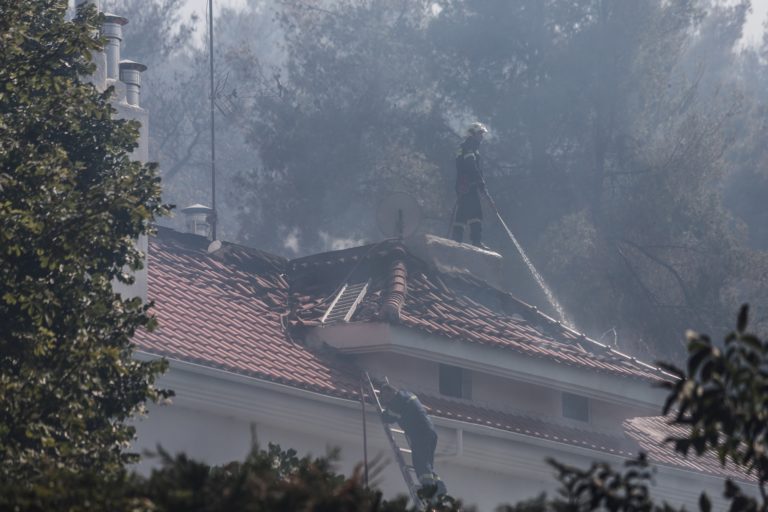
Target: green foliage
[[602, 488], [72, 204], [267, 480], [271, 479], [338, 127], [722, 398], [60, 489]]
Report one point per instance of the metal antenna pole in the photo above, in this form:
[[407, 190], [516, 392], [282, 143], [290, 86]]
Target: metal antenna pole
[[214, 219], [365, 434]]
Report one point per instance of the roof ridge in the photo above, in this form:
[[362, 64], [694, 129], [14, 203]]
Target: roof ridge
[[196, 243]]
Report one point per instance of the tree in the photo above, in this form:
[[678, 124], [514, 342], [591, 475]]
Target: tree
[[271, 479], [608, 147], [343, 124], [611, 151], [72, 204], [175, 91]]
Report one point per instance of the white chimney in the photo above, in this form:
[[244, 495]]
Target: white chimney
[[130, 74], [198, 219], [112, 31], [99, 76]]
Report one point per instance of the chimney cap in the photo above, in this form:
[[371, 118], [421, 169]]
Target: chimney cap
[[196, 208], [114, 18], [129, 64]]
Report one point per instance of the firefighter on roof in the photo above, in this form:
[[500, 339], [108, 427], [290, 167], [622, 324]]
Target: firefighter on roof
[[404, 408], [470, 186]]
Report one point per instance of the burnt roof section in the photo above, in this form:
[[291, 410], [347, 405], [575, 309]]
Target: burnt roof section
[[456, 306]]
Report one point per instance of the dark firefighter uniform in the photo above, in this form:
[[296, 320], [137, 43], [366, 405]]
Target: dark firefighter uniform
[[409, 413], [470, 186]]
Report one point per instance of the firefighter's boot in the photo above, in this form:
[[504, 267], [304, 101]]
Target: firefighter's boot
[[476, 235], [442, 490], [458, 233]]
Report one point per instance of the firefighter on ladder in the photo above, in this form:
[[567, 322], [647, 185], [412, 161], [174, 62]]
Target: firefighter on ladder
[[403, 407], [470, 186]]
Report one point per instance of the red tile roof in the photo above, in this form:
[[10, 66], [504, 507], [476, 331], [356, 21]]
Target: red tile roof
[[651, 431], [225, 311], [462, 308], [233, 310], [440, 310]]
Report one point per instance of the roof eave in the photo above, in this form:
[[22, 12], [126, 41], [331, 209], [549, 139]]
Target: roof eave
[[368, 337]]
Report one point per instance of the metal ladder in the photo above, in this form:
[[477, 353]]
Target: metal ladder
[[345, 303], [407, 470]]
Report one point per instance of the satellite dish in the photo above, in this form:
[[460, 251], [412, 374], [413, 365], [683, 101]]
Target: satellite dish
[[399, 215]]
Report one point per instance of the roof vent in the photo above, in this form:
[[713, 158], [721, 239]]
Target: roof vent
[[130, 73], [198, 219]]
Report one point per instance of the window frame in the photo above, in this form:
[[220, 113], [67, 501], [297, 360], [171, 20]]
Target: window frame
[[454, 381], [573, 402]]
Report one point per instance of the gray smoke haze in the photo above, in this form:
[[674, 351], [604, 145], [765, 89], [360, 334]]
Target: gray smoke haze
[[625, 150]]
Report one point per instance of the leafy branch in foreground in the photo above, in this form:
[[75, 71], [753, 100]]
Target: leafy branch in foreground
[[722, 397], [602, 488]]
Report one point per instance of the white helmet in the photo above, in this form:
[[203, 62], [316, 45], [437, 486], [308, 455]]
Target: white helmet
[[477, 128]]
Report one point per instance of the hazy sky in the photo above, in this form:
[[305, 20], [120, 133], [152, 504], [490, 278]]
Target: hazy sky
[[752, 35], [754, 27]]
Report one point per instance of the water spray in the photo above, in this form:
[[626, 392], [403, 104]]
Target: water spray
[[539, 279]]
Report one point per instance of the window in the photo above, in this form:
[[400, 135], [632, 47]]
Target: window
[[455, 381], [575, 407]]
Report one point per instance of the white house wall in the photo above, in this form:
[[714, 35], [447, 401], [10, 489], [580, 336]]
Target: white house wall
[[362, 338], [219, 431], [399, 369], [502, 393], [215, 415]]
